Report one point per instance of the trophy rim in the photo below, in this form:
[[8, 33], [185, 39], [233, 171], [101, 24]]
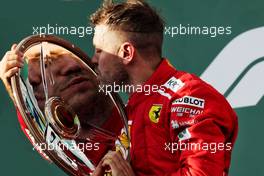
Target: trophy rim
[[16, 88]]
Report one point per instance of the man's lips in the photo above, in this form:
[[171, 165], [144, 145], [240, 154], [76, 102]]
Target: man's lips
[[96, 70], [74, 81]]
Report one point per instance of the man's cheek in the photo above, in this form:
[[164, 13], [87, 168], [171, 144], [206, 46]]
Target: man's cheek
[[102, 66]]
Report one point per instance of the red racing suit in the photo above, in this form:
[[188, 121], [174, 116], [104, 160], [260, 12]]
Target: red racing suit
[[180, 126]]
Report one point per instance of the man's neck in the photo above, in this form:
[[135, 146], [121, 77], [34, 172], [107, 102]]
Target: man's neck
[[142, 73]]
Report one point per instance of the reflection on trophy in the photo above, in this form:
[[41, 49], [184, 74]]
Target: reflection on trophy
[[58, 97]]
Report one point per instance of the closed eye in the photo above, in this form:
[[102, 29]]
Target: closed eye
[[98, 51]]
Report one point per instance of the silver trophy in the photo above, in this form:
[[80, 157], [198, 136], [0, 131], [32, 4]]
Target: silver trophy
[[71, 121]]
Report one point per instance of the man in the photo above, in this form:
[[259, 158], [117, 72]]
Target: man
[[183, 111]]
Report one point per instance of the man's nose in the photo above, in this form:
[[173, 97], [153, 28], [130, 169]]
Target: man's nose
[[70, 67], [34, 75], [94, 59], [34, 78]]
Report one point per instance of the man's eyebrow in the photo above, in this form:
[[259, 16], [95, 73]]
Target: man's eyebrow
[[52, 54], [36, 55], [33, 56], [96, 46]]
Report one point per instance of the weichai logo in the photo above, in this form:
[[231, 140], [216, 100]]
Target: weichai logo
[[237, 70], [185, 110]]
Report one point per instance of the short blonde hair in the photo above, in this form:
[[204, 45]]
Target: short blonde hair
[[143, 24]]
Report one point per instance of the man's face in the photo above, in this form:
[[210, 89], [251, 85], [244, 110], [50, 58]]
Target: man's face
[[109, 65], [72, 80]]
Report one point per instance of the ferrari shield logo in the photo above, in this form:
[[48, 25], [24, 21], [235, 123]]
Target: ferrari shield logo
[[154, 113]]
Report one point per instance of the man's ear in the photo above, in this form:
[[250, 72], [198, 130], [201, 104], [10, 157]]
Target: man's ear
[[127, 52]]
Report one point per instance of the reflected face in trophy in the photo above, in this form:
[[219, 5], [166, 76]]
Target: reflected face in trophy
[[59, 102], [66, 77]]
